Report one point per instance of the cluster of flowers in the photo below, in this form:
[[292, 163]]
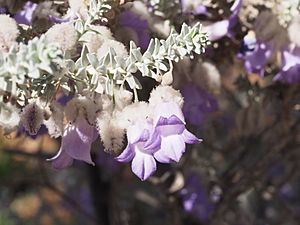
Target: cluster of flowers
[[154, 130], [91, 82]]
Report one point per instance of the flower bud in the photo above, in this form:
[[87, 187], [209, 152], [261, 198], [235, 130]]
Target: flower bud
[[32, 117], [9, 117]]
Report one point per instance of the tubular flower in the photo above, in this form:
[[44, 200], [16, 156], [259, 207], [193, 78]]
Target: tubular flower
[[290, 68], [140, 149], [142, 142], [155, 132], [76, 144], [169, 124]]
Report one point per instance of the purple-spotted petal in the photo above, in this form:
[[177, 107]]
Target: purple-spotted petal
[[189, 138], [61, 160], [127, 155], [143, 165]]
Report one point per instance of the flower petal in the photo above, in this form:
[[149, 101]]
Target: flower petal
[[168, 130], [25, 15], [86, 132], [172, 148], [61, 160], [190, 138], [77, 141], [143, 165], [217, 30], [161, 157], [170, 111], [153, 142], [172, 120], [136, 133], [127, 155]]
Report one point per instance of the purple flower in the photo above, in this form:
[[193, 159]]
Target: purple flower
[[198, 103], [218, 30], [290, 70], [169, 124], [25, 15], [140, 149], [195, 199], [140, 26], [223, 28], [76, 144], [255, 54], [67, 18], [155, 133]]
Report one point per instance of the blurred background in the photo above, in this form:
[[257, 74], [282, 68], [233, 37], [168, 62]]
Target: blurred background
[[245, 172]]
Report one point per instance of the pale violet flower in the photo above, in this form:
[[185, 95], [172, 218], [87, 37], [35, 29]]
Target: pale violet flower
[[155, 133], [290, 70], [140, 149], [25, 15], [169, 124], [76, 144]]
